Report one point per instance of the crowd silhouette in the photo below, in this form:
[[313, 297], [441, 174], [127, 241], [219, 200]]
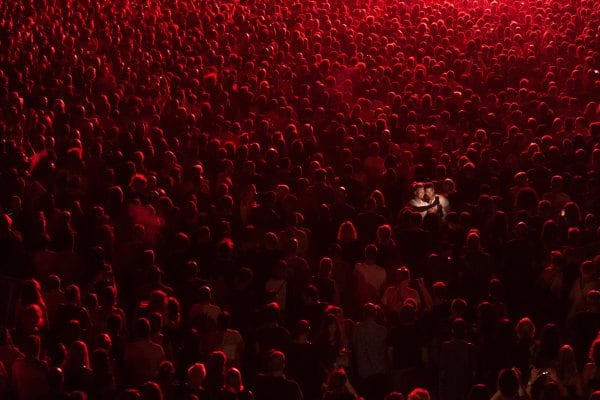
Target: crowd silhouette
[[298, 199]]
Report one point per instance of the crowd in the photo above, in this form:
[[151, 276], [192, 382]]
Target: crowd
[[299, 199]]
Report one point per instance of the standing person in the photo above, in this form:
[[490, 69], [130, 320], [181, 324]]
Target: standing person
[[142, 356], [369, 277], [339, 387], [418, 202], [509, 385], [370, 349], [458, 363], [394, 296], [273, 384], [29, 373], [443, 206], [569, 379]]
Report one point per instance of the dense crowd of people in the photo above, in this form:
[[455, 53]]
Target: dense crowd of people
[[297, 199]]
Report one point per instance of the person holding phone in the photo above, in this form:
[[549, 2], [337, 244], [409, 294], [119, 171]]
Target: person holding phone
[[442, 205]]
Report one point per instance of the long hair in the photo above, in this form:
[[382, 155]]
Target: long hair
[[347, 232], [77, 356], [567, 365]]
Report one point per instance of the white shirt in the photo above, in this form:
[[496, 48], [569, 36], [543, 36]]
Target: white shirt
[[443, 202], [416, 202]]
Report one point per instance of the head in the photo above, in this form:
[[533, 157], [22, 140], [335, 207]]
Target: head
[[275, 362], [566, 359], [525, 329], [419, 190], [402, 276], [508, 382], [151, 391], [429, 190], [371, 252], [419, 394], [347, 232], [196, 375], [78, 354], [233, 380], [338, 379]]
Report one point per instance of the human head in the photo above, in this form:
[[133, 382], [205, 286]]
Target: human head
[[233, 380], [196, 374], [275, 362], [429, 190], [418, 190], [419, 394], [508, 382]]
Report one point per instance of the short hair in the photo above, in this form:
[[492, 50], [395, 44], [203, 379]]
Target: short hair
[[402, 274], [369, 311], [196, 371], [275, 361], [419, 394], [338, 378], [151, 391], [371, 251], [508, 382], [428, 185], [417, 185], [525, 328]]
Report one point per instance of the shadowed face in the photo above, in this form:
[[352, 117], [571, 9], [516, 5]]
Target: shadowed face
[[429, 193], [420, 193]]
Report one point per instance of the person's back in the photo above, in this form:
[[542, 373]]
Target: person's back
[[457, 363], [142, 357], [269, 387], [370, 349], [273, 384], [29, 372], [369, 277]]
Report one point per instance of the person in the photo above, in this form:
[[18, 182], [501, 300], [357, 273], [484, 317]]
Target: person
[[457, 364], [370, 351], [142, 357], [369, 277], [418, 203], [302, 360], [29, 374], [419, 394], [508, 385], [78, 374], [431, 197], [234, 387], [204, 308], [194, 385], [160, 149], [396, 295], [569, 379], [339, 387], [103, 385], [273, 384]]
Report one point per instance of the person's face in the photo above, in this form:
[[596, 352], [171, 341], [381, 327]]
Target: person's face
[[429, 192], [420, 193]]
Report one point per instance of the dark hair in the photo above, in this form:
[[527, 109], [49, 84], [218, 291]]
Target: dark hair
[[142, 328], [508, 382]]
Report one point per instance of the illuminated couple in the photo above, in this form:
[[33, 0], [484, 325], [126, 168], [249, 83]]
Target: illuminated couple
[[426, 201]]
